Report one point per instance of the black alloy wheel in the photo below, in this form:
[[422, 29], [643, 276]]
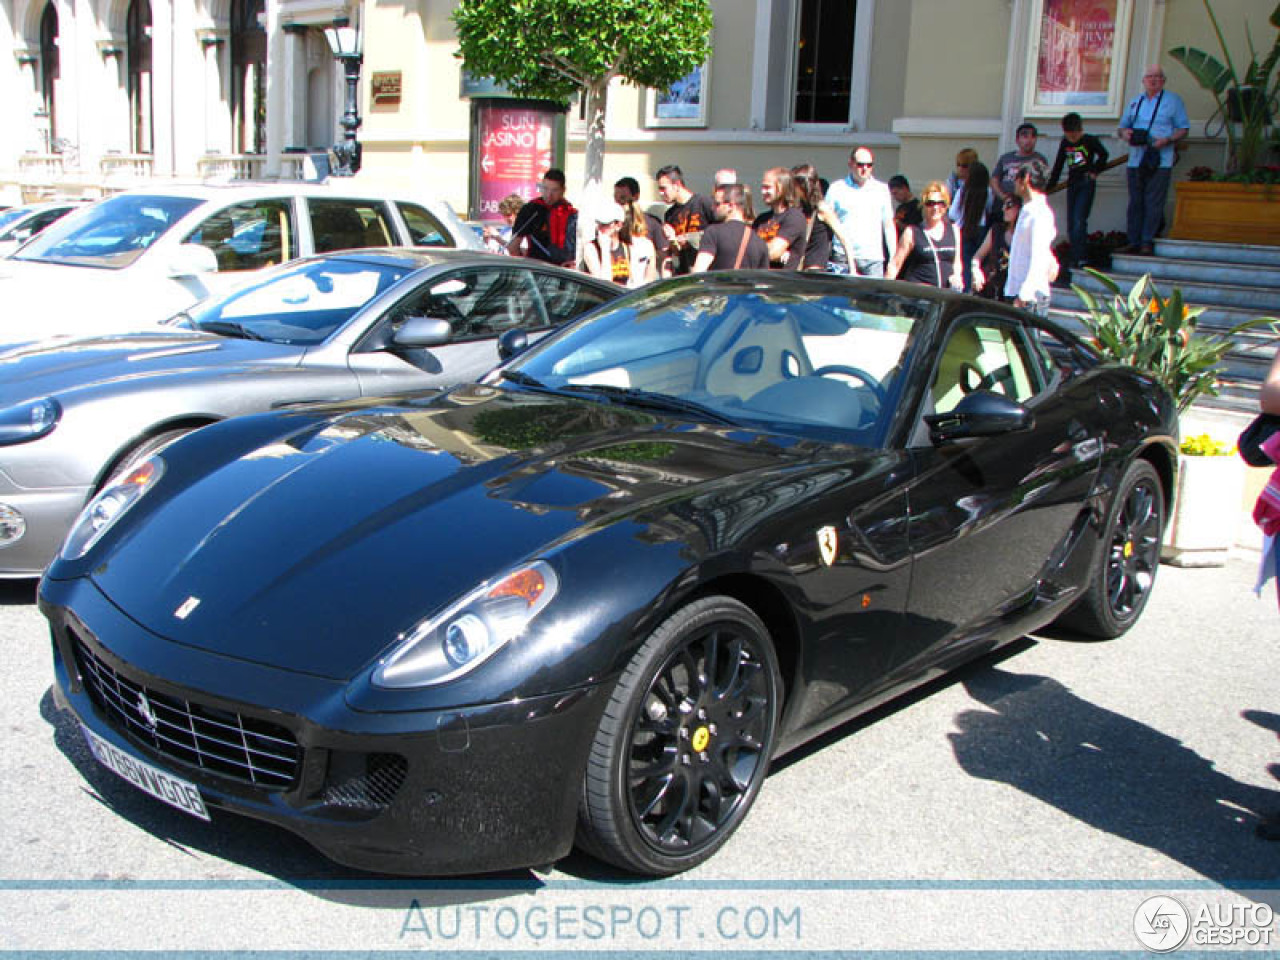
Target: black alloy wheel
[[684, 745], [1134, 551], [1129, 555]]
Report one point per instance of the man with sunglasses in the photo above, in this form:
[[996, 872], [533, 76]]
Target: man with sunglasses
[[864, 208]]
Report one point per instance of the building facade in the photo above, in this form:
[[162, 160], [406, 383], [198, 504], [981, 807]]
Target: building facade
[[100, 93]]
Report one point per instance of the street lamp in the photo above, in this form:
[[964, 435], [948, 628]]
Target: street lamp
[[344, 41]]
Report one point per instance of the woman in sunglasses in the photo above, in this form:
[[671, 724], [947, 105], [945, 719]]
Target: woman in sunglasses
[[990, 264], [930, 252]]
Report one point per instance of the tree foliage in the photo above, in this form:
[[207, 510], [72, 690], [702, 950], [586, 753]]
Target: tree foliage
[[551, 49]]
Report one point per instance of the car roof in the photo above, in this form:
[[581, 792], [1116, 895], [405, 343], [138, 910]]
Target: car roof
[[249, 189]]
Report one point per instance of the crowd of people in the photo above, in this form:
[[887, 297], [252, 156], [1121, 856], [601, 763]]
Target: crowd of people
[[985, 231]]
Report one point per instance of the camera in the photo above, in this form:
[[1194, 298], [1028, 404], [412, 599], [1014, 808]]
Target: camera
[[1138, 138]]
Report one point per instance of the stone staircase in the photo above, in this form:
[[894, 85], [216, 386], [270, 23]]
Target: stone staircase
[[1233, 282]]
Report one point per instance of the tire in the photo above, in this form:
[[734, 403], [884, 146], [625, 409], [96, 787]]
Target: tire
[[682, 750], [1124, 570], [139, 452]]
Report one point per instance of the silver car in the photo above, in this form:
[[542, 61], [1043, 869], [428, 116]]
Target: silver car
[[131, 261], [75, 413]]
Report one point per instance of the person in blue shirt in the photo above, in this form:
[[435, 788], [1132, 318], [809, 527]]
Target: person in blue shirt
[[1152, 123]]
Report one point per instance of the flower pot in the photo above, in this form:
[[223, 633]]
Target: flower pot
[[1206, 511], [1227, 212]]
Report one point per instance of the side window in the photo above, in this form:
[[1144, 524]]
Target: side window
[[478, 303], [1058, 357], [345, 224], [565, 298], [249, 236], [983, 354], [42, 220], [424, 229]]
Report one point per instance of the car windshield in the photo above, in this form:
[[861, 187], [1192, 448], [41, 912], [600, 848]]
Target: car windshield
[[111, 233], [816, 359], [300, 303]]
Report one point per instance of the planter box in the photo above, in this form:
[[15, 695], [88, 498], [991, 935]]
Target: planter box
[[1227, 212], [1206, 511]]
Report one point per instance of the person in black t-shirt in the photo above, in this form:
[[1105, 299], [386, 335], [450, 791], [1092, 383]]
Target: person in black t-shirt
[[906, 207], [783, 226], [1085, 157], [626, 193], [684, 220], [722, 246], [547, 228]]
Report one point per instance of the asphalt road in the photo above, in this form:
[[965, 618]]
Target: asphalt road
[[1033, 801]]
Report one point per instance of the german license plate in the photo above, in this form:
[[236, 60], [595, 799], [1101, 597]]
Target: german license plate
[[163, 786]]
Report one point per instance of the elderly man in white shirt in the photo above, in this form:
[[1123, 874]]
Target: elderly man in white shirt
[[1032, 266], [864, 208]]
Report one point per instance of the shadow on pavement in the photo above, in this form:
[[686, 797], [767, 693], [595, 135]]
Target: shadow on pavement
[[1117, 775], [266, 848]]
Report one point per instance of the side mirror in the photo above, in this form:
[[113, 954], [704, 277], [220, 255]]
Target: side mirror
[[511, 343], [418, 332], [191, 260], [980, 414], [21, 234]]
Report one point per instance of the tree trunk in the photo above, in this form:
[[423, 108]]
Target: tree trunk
[[593, 192]]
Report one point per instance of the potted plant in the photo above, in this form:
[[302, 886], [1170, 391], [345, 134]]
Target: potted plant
[[1242, 204], [1158, 335], [1206, 511]]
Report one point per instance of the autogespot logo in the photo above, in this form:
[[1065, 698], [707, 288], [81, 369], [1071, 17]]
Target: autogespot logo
[[1161, 924]]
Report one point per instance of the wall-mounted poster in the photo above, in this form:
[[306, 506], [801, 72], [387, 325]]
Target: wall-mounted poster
[[683, 104], [1076, 62]]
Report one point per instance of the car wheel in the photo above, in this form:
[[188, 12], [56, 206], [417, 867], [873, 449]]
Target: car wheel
[[140, 451], [1128, 557], [684, 743]]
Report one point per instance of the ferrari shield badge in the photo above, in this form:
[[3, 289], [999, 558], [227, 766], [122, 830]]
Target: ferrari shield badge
[[827, 543]]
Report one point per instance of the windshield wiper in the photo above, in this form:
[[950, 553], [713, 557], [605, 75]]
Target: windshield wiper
[[650, 400], [516, 376], [229, 328]]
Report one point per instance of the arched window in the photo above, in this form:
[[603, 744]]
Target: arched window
[[248, 76], [49, 67], [138, 27]]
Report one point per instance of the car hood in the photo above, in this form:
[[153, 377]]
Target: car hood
[[54, 367], [314, 551]]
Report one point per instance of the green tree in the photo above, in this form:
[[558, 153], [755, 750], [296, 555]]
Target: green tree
[[552, 49]]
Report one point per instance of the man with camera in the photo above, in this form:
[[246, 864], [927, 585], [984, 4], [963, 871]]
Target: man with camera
[[1151, 125]]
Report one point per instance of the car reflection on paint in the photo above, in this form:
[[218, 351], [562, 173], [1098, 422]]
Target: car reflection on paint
[[590, 598], [76, 413]]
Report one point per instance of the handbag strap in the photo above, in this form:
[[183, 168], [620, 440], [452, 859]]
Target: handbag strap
[[742, 247], [808, 232]]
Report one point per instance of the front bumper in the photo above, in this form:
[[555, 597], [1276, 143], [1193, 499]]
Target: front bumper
[[479, 788], [49, 515]]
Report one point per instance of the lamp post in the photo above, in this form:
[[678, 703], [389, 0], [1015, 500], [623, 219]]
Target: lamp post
[[344, 41]]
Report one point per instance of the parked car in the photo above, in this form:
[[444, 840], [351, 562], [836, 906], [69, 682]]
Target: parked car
[[593, 596], [20, 224], [74, 413], [133, 260]]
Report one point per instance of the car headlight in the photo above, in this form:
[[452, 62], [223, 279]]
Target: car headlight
[[109, 506], [29, 421], [470, 631]]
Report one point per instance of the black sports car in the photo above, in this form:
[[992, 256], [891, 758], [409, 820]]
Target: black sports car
[[590, 598]]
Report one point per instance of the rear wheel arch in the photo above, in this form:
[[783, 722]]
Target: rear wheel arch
[[1166, 466]]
